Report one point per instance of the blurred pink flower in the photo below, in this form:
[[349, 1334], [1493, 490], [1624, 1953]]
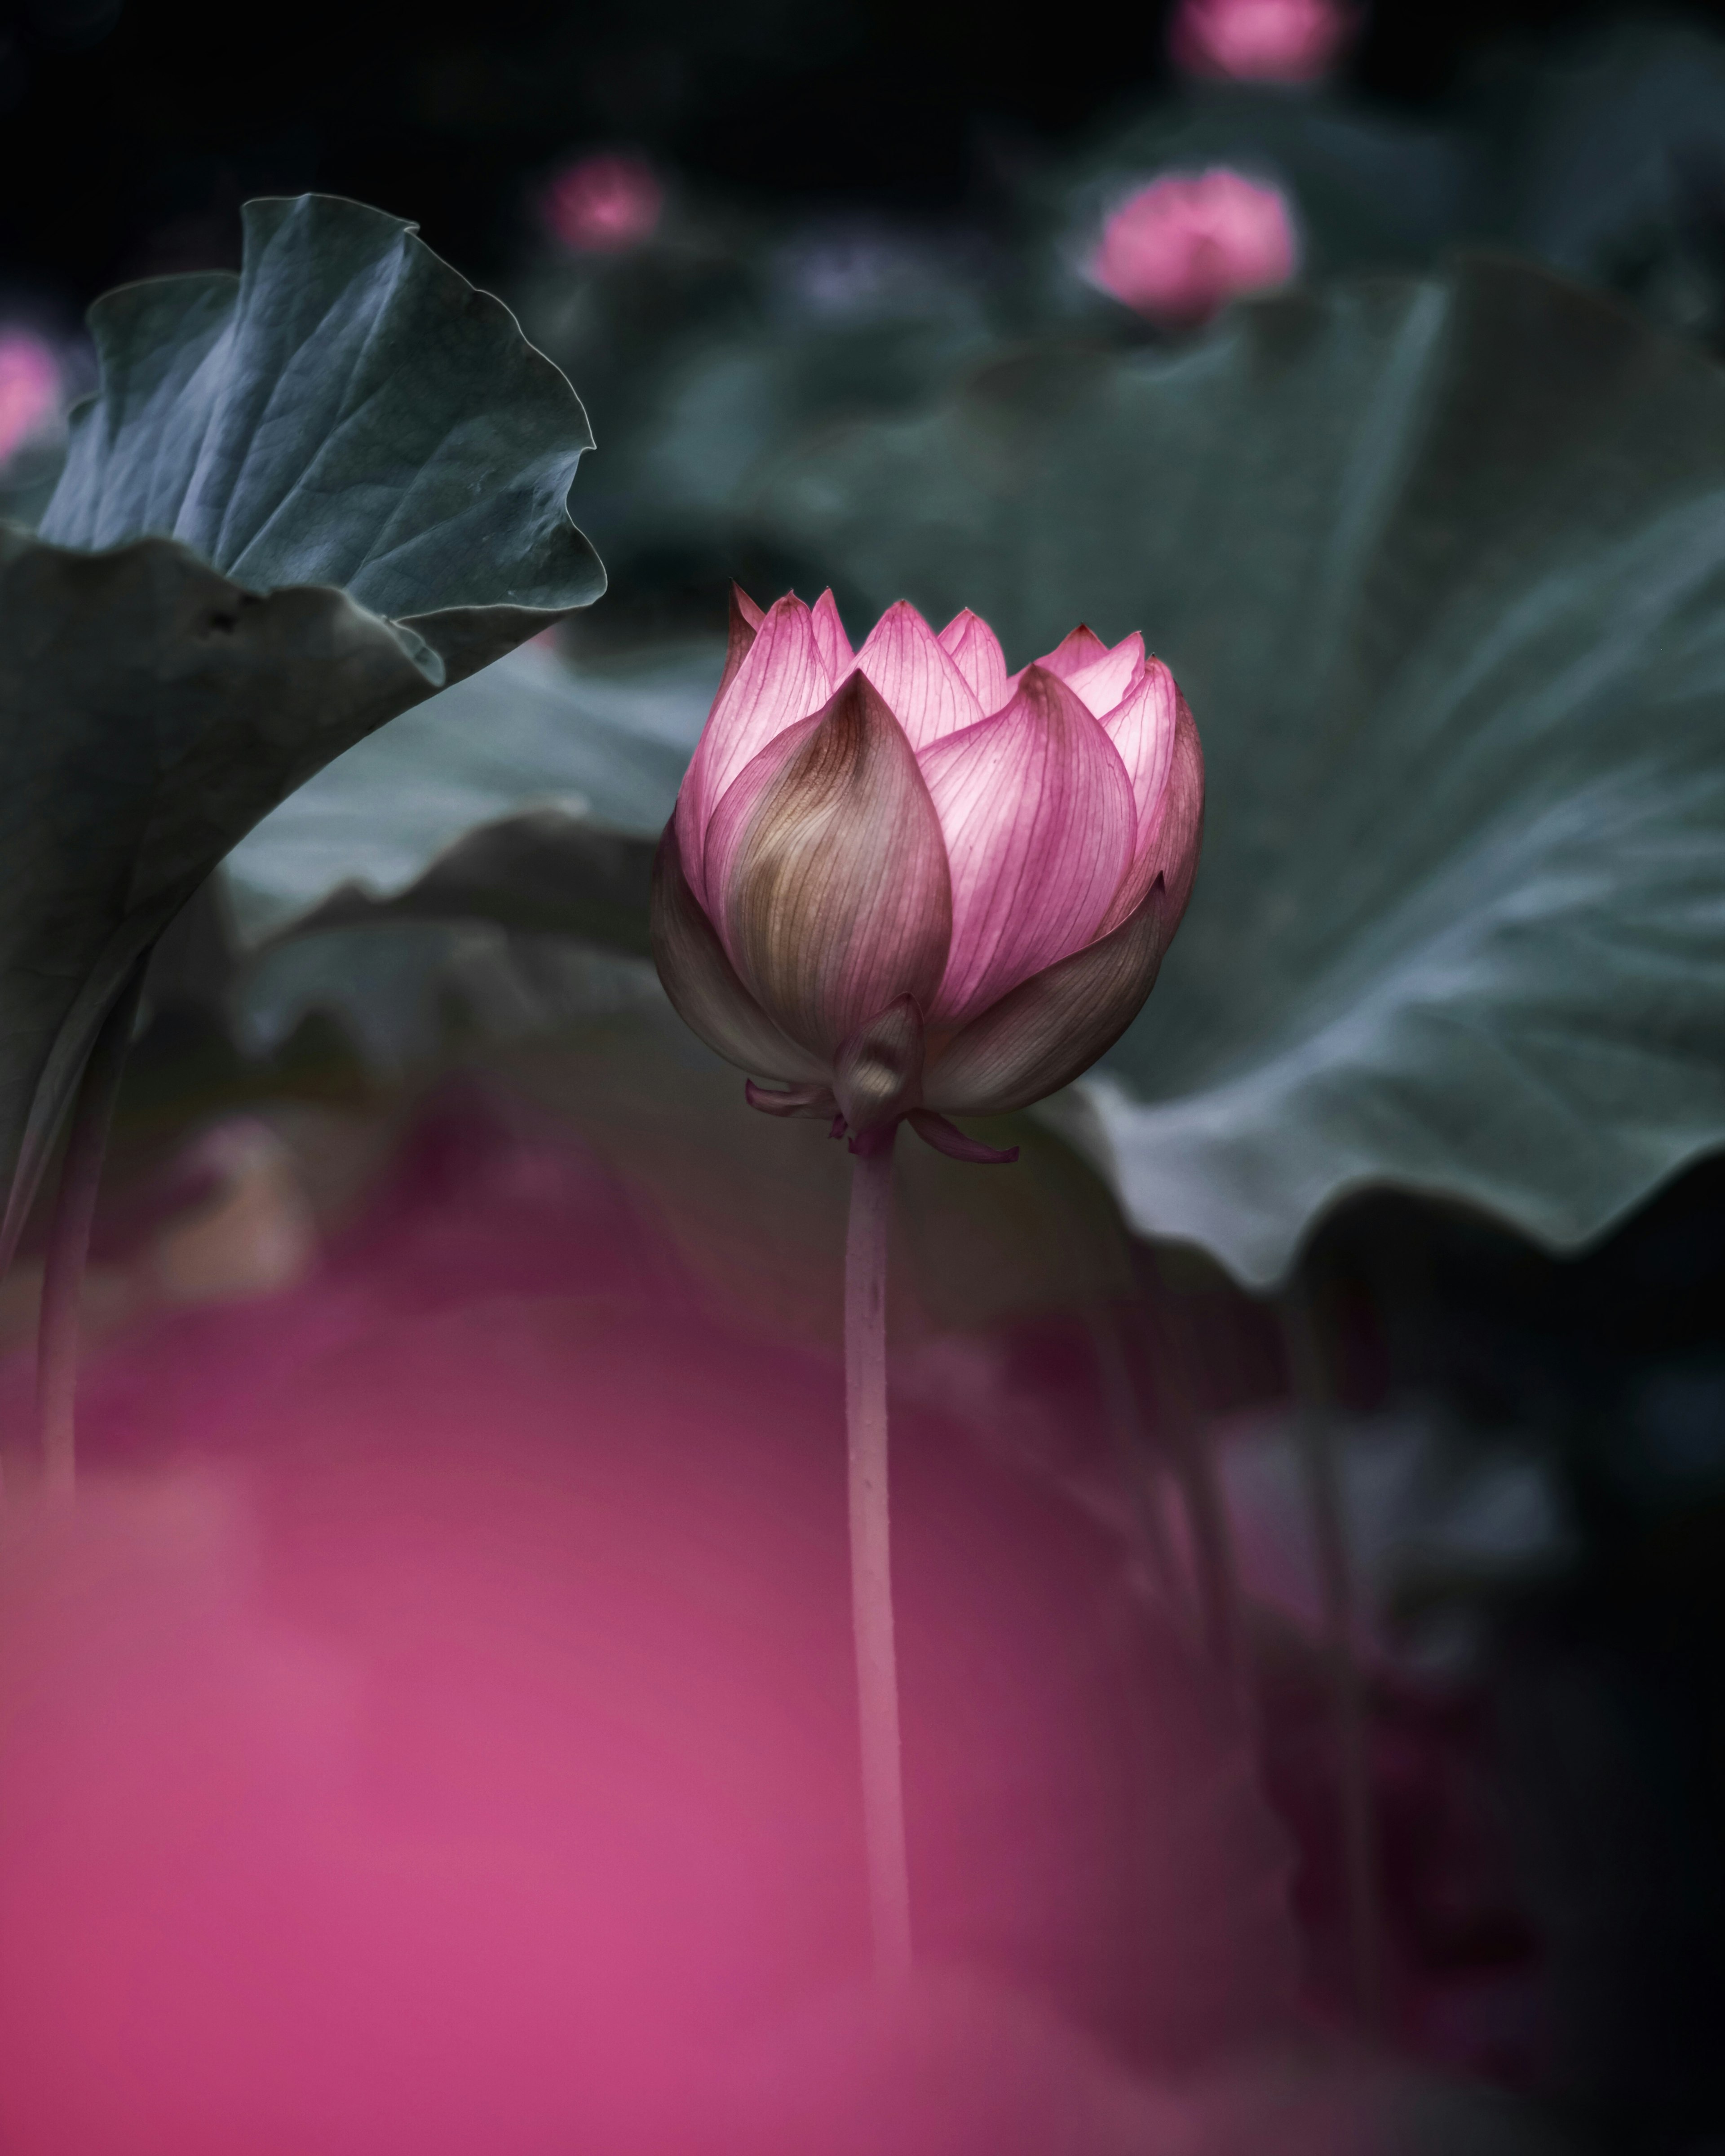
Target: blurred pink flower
[[1289, 41], [604, 204], [29, 389], [1180, 249], [902, 883], [412, 1766]]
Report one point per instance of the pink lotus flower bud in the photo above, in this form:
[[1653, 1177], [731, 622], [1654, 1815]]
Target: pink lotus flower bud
[[1289, 41], [604, 204], [1182, 247], [30, 390], [901, 884]]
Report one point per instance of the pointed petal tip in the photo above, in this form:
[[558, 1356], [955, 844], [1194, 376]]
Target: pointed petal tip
[[1036, 808], [828, 874], [928, 692], [1079, 648], [975, 650], [830, 636]]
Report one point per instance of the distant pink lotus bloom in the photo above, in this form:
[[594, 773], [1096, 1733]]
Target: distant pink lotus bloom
[[1288, 41], [604, 204], [904, 884], [1180, 249], [30, 390]]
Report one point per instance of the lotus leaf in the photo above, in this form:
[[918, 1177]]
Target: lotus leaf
[[302, 499], [528, 737], [1441, 565]]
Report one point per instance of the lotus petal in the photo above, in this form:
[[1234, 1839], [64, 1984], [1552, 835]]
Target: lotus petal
[[1102, 685], [703, 987], [1078, 649], [1174, 844], [835, 894], [1053, 1026], [830, 639], [1038, 816], [1158, 744], [975, 650], [779, 681], [744, 619], [925, 691]]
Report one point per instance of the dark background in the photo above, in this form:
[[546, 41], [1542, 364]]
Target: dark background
[[131, 129]]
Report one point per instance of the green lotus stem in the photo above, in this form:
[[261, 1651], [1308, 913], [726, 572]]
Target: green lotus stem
[[872, 1556], [69, 1243], [1123, 1414], [1221, 1604], [1316, 1438]]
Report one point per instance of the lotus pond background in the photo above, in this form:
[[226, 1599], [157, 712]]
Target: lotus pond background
[[450, 1740]]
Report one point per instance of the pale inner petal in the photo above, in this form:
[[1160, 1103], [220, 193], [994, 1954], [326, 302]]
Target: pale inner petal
[[1039, 818], [1077, 649], [975, 650], [1103, 684], [830, 640], [923, 689], [1142, 729]]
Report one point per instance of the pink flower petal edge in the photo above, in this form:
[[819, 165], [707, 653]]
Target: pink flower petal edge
[[827, 875], [780, 680], [830, 640], [1142, 728], [1108, 681], [1037, 812], [924, 688], [888, 893], [975, 650]]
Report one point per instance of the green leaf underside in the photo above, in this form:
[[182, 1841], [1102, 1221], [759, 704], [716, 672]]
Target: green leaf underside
[[149, 711], [347, 412], [1439, 566], [540, 873], [604, 747]]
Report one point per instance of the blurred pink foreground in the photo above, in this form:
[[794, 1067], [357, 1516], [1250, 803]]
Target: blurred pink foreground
[[434, 1732]]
